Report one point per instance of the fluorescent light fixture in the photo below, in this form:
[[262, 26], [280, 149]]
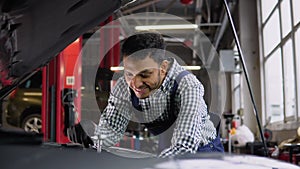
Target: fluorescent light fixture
[[192, 67], [32, 94], [116, 68], [119, 68], [166, 27]]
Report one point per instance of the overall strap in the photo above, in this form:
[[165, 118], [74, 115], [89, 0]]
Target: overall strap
[[135, 101], [173, 92], [177, 81]]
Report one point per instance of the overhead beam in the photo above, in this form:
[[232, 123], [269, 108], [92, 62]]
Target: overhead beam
[[140, 6]]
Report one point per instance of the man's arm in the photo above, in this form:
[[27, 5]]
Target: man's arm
[[115, 117]]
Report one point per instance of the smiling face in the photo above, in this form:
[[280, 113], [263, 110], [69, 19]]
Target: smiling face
[[144, 76]]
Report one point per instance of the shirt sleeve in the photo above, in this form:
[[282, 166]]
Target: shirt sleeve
[[115, 117], [193, 127]]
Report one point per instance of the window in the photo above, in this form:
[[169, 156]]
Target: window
[[289, 79], [273, 78], [281, 58], [285, 17], [267, 6], [296, 11], [272, 33]]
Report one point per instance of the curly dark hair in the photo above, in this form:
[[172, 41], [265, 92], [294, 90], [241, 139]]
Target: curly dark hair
[[144, 44]]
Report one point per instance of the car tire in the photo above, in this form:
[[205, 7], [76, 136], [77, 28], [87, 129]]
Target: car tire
[[32, 123]]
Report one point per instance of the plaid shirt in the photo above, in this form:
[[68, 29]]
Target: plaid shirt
[[192, 126]]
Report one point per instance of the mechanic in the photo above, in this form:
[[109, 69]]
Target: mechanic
[[159, 93]]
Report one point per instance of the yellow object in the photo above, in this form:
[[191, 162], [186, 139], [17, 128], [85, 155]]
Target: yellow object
[[232, 131]]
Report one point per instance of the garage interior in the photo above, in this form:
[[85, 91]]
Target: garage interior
[[251, 81]]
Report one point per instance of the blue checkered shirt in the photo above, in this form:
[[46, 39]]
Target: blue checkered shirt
[[192, 126]]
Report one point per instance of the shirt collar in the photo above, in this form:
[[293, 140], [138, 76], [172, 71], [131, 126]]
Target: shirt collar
[[173, 71]]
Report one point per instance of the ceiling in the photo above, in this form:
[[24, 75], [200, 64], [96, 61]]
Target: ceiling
[[209, 15]]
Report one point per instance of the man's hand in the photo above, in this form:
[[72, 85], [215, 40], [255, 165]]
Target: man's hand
[[76, 134]]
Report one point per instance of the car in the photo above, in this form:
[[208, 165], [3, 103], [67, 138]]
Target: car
[[23, 108], [32, 34]]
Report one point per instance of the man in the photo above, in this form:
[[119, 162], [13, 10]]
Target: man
[[146, 94]]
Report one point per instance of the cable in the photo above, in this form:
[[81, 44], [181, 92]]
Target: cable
[[241, 56]]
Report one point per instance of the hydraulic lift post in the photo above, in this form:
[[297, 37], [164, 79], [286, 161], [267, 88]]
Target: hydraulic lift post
[[61, 90]]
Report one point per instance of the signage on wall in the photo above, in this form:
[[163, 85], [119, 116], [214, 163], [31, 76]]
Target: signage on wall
[[70, 80]]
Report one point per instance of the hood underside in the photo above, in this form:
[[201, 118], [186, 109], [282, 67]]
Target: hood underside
[[35, 31]]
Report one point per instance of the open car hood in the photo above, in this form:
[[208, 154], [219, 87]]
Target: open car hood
[[35, 31]]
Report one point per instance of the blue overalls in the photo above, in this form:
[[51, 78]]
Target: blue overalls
[[165, 129]]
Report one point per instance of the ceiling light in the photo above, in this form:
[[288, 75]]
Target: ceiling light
[[32, 94], [192, 67], [166, 27], [119, 68], [116, 68]]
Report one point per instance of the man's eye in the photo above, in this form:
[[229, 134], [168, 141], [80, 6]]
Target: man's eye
[[128, 74], [145, 75]]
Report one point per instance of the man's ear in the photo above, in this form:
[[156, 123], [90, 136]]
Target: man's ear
[[164, 66]]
